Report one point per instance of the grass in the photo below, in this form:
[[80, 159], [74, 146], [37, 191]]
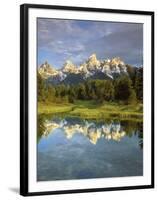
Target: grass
[[48, 108], [92, 110]]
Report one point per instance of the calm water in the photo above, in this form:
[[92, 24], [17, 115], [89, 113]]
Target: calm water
[[72, 148]]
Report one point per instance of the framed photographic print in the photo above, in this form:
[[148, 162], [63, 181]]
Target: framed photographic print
[[87, 99]]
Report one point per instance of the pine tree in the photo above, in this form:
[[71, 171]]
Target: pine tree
[[40, 88], [139, 84], [123, 89]]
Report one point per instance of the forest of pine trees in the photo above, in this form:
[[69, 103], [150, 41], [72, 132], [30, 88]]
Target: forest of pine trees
[[127, 89]]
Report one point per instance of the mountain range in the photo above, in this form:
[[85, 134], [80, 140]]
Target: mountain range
[[92, 68]]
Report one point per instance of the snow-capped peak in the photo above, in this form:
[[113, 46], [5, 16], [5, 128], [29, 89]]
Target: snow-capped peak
[[69, 67], [92, 66], [92, 62]]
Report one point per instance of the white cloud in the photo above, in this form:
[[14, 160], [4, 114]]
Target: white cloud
[[75, 39]]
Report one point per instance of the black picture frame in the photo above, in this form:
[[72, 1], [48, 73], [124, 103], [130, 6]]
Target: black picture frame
[[24, 49]]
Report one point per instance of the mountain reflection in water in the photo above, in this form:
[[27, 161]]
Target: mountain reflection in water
[[110, 130], [73, 148]]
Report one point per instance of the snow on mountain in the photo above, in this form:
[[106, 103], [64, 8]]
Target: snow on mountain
[[109, 67], [69, 67], [92, 63], [46, 70]]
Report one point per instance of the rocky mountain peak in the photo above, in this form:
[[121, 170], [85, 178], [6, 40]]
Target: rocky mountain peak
[[92, 62], [69, 67], [93, 57], [46, 70], [91, 68], [46, 67], [116, 61]]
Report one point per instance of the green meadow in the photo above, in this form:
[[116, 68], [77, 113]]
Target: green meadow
[[93, 110]]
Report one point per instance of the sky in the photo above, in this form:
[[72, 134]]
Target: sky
[[60, 40]]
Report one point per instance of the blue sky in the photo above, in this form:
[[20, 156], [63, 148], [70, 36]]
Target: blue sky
[[75, 40]]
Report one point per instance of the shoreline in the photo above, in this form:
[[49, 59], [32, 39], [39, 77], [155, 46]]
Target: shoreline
[[89, 110]]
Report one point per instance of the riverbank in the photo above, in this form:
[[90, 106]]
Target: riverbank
[[91, 110]]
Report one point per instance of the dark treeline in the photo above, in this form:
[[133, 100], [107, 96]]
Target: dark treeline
[[126, 89]]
